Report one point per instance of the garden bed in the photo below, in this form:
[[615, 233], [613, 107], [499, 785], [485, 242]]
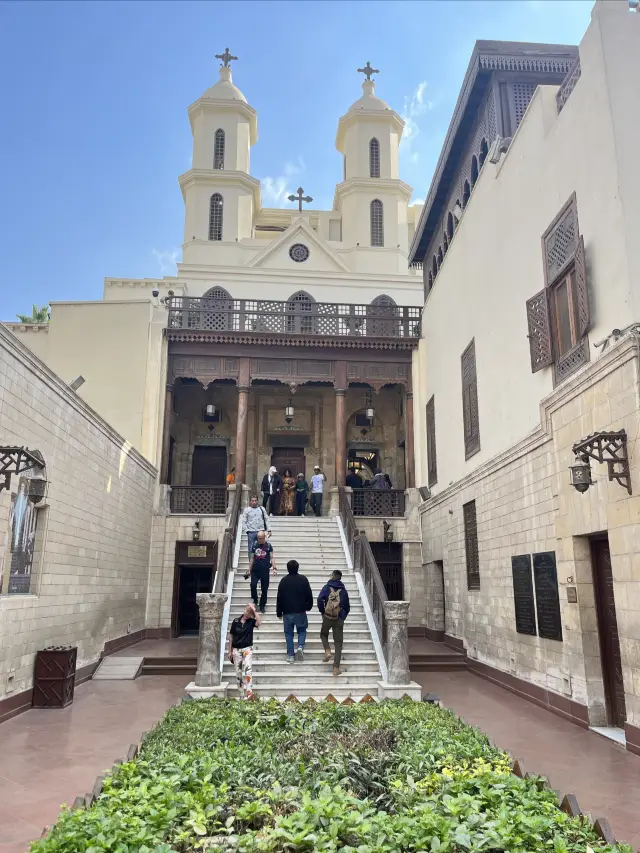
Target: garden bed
[[260, 777]]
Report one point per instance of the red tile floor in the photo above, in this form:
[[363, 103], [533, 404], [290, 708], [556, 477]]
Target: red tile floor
[[50, 757]]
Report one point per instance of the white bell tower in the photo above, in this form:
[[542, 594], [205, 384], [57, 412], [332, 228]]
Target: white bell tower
[[372, 199], [219, 194]]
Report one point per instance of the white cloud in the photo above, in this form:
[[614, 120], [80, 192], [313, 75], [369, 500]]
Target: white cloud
[[167, 260], [415, 106], [275, 190], [417, 201]]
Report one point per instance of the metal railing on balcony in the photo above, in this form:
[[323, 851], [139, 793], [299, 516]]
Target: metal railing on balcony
[[378, 502], [199, 500], [293, 318]]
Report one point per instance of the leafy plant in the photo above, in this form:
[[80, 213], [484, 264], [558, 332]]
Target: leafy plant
[[38, 315]]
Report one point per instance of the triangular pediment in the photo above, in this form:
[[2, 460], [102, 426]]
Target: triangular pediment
[[321, 257]]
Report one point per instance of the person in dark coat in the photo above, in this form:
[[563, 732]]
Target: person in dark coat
[[353, 480], [333, 604], [271, 490], [294, 600]]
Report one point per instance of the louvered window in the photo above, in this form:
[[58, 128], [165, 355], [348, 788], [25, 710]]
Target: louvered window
[[470, 402], [377, 223], [432, 471], [374, 158], [471, 545], [216, 206], [558, 316], [218, 149]]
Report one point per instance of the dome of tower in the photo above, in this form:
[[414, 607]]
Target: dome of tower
[[224, 90], [368, 101]]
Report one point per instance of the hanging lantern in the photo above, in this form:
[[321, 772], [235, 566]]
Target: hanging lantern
[[370, 413], [289, 412], [580, 474], [211, 410]]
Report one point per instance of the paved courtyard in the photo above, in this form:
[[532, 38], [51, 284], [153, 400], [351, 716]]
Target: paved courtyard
[[50, 757]]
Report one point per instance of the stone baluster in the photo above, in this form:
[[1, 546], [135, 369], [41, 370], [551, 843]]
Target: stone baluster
[[398, 683], [208, 680]]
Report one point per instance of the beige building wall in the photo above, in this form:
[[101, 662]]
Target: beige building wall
[[89, 582]]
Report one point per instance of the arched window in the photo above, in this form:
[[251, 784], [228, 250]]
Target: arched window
[[218, 310], [377, 226], [215, 217], [484, 150], [445, 241], [434, 266], [374, 158], [383, 307], [440, 257], [466, 194], [450, 227], [300, 310], [430, 281], [218, 149], [474, 170]]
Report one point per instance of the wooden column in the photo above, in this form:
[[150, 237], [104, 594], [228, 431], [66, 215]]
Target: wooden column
[[166, 434], [408, 441], [341, 423], [244, 384]]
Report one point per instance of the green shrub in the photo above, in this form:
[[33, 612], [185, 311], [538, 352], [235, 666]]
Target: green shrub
[[260, 777]]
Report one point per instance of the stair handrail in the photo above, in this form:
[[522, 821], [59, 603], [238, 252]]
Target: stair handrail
[[225, 558], [365, 563]]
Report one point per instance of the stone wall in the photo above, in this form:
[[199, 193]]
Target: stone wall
[[524, 505], [89, 578]]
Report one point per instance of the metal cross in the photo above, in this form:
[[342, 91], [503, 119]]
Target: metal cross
[[226, 57], [368, 70], [300, 198]]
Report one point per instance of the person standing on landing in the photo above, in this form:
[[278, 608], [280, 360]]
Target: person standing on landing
[[294, 600], [317, 488], [302, 490], [255, 518], [241, 648], [271, 489], [333, 604], [263, 562]]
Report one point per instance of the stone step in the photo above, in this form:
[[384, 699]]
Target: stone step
[[305, 681], [354, 692], [115, 668], [299, 669]]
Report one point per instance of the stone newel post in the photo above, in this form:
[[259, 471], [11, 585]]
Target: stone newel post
[[398, 682], [208, 682]]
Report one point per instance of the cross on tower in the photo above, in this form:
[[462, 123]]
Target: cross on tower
[[226, 57], [368, 70], [300, 198]]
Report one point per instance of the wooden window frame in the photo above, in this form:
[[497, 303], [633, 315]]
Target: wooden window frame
[[472, 553], [432, 458], [216, 220], [219, 146], [376, 216], [374, 158], [471, 424]]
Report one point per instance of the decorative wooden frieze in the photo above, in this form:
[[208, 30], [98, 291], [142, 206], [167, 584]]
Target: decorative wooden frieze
[[203, 368], [330, 342]]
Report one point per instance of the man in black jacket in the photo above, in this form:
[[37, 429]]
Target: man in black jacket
[[333, 603], [271, 490], [294, 600]]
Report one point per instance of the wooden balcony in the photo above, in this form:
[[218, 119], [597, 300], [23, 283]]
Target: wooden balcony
[[199, 500], [310, 320], [385, 503]]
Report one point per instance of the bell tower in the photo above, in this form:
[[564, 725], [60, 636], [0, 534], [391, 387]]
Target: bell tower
[[219, 194]]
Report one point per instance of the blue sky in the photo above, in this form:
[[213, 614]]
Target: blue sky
[[95, 98]]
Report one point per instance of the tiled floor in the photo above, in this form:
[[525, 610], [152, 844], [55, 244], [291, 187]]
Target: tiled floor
[[603, 776], [52, 756]]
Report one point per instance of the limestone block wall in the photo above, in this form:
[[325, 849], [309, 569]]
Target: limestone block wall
[[89, 579], [524, 505]]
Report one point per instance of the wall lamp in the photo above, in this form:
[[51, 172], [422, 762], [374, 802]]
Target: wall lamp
[[609, 447]]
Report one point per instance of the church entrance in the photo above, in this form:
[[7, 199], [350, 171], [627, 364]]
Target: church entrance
[[209, 466], [289, 457], [194, 571]]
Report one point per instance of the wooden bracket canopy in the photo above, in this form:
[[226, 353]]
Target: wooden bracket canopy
[[609, 447], [16, 460]]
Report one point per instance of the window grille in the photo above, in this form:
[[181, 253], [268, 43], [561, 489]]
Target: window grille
[[218, 149], [215, 217], [471, 545], [298, 306], [470, 401], [377, 223], [432, 470], [374, 158]]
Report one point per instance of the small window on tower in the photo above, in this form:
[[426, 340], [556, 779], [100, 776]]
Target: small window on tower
[[374, 158], [377, 223], [218, 149], [215, 217]]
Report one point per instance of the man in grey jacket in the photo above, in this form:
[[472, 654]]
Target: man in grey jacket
[[255, 518]]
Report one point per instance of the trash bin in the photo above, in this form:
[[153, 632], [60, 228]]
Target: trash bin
[[54, 677]]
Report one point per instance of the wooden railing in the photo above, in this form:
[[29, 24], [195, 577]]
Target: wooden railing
[[293, 318], [365, 563], [378, 502], [225, 557], [568, 84], [199, 500]]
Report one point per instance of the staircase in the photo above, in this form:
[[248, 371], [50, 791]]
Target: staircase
[[316, 544]]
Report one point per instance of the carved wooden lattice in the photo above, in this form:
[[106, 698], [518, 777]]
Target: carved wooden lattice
[[471, 545], [199, 500], [432, 471], [582, 293], [568, 363], [217, 305], [378, 502], [560, 241], [568, 84], [522, 94], [299, 309], [470, 401], [539, 331]]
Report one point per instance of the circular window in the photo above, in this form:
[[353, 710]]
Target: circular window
[[299, 253]]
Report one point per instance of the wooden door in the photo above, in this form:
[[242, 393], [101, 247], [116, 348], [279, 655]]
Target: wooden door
[[608, 632], [289, 457], [388, 556], [209, 467]]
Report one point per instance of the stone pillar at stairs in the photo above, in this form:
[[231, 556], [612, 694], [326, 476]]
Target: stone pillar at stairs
[[208, 681], [398, 683]]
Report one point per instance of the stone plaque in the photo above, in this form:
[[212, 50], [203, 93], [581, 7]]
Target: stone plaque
[[572, 595], [547, 596], [196, 551], [523, 594]]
